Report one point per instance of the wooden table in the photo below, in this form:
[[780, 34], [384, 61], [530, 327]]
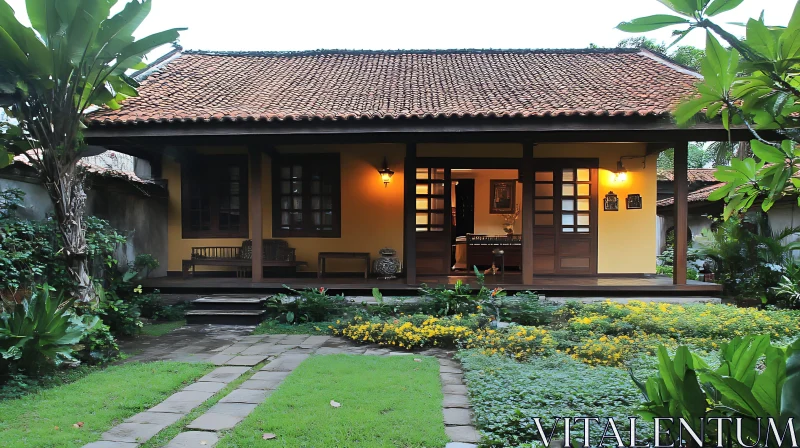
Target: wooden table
[[345, 255]]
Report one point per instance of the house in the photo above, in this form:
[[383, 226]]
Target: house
[[783, 214], [342, 153], [117, 190]]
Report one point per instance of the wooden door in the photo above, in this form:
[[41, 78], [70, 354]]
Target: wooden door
[[565, 217], [433, 220]]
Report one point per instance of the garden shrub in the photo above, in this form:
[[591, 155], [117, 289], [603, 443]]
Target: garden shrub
[[507, 395], [41, 332], [307, 305], [472, 331]]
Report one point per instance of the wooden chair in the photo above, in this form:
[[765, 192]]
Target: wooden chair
[[276, 253]]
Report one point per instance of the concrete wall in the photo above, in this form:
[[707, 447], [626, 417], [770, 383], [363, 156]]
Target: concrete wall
[[142, 219]]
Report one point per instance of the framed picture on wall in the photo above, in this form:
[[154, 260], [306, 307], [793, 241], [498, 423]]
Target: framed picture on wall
[[502, 196]]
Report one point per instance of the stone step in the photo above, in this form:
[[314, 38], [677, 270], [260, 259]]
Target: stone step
[[229, 303], [225, 317]]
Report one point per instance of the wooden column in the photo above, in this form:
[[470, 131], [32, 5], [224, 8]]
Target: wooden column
[[410, 213], [256, 213], [526, 174], [681, 204]]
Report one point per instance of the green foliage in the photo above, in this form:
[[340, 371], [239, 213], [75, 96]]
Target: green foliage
[[753, 83], [444, 301], [748, 257], [308, 305], [121, 316], [41, 332], [527, 308], [506, 395], [685, 55], [699, 157], [750, 383], [274, 326]]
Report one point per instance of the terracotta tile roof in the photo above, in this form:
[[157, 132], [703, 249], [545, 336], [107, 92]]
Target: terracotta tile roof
[[694, 196], [24, 159], [694, 175], [341, 85]]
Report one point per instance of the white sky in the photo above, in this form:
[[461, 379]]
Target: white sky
[[416, 24]]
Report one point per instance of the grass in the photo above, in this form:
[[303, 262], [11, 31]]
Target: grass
[[163, 328], [100, 400], [272, 326], [168, 433], [385, 402]]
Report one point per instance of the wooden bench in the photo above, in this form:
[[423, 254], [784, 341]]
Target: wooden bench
[[276, 253], [345, 255]]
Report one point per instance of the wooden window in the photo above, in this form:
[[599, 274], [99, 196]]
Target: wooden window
[[575, 200], [430, 200], [306, 196], [214, 197]]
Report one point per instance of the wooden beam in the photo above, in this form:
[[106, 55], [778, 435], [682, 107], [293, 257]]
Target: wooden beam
[[256, 213], [526, 175], [410, 213], [681, 193]]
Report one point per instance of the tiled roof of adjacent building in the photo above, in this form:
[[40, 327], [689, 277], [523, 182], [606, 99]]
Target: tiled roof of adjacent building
[[694, 196], [199, 86], [693, 174]]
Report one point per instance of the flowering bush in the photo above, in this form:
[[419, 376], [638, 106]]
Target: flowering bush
[[472, 331]]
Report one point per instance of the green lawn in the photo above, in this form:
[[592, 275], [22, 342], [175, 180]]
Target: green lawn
[[100, 400], [162, 328], [385, 402]]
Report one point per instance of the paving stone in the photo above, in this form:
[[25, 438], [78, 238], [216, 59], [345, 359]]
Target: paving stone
[[157, 418], [191, 439], [246, 360], [175, 407], [214, 422], [437, 352], [299, 351], [455, 401], [460, 445], [451, 378], [331, 351], [277, 349], [400, 354], [454, 389], [133, 432], [273, 338], [314, 341], [294, 339], [235, 349], [449, 369], [109, 444], [285, 363], [220, 359], [377, 352], [253, 338], [234, 409], [205, 386], [246, 396], [224, 374], [464, 434], [190, 395], [457, 417], [448, 362], [258, 349]]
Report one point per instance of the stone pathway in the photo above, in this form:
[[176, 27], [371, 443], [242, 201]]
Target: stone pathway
[[236, 354]]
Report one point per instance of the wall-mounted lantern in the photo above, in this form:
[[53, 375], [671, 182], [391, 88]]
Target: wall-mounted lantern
[[621, 174], [386, 173]]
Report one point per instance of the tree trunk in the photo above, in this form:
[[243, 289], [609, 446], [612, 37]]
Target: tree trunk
[[64, 185]]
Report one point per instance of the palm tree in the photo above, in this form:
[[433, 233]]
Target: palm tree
[[74, 57]]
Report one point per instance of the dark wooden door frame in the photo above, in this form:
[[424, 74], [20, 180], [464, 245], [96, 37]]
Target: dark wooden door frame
[[557, 164]]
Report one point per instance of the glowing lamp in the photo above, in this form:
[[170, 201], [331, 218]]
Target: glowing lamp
[[386, 173], [621, 174]]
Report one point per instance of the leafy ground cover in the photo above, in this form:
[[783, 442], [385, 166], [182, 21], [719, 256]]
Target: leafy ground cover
[[385, 402], [74, 414]]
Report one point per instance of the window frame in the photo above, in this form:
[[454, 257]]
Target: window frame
[[330, 164], [211, 165]]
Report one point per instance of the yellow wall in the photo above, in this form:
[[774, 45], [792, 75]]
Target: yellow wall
[[486, 223], [372, 216]]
